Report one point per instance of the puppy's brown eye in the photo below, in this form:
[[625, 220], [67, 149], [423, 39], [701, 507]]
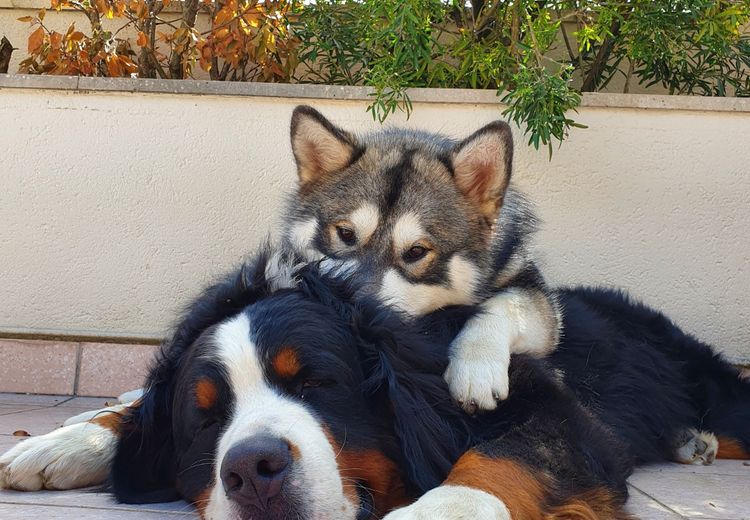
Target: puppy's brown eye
[[415, 253], [347, 236]]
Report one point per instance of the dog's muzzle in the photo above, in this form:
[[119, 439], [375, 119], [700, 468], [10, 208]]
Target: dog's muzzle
[[254, 475]]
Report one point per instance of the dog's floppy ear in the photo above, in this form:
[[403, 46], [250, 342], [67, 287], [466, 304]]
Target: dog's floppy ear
[[146, 462], [143, 467], [402, 367], [482, 166], [319, 147]]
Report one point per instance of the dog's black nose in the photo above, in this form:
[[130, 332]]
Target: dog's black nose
[[253, 471]]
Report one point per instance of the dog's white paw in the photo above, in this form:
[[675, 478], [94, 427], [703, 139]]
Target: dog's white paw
[[696, 447], [477, 373], [129, 397], [93, 414], [453, 503], [71, 457]]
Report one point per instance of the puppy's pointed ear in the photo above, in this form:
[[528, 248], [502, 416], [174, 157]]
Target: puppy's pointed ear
[[482, 166], [319, 147]]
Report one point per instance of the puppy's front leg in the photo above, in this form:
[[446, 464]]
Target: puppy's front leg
[[517, 320]]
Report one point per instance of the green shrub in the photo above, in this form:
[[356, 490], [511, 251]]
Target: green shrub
[[538, 55]]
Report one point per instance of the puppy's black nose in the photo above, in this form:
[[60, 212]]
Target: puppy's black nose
[[254, 470]]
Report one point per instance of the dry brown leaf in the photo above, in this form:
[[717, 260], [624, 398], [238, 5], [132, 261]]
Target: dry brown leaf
[[36, 39]]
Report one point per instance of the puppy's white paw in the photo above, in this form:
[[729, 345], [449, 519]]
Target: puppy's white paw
[[477, 373], [74, 456], [453, 503]]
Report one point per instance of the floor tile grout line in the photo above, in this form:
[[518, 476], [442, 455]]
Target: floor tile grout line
[[77, 376], [709, 473], [35, 409], [662, 504], [69, 398], [98, 508], [3, 414]]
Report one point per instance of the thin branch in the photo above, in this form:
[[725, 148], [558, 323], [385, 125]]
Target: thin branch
[[170, 23], [628, 76], [537, 52], [565, 35], [189, 14], [131, 22], [591, 80], [484, 17]]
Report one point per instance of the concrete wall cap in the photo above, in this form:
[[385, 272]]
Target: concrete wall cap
[[339, 92]]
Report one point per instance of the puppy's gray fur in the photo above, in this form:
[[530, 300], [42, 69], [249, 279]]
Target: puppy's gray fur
[[430, 221]]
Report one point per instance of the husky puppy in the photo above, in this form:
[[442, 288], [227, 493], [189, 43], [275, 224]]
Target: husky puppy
[[429, 222]]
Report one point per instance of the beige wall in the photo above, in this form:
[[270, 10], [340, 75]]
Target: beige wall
[[115, 208]]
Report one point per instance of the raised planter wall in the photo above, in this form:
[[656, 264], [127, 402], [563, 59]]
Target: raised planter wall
[[120, 198]]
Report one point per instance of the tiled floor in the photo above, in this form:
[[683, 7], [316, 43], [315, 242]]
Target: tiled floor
[[664, 492]]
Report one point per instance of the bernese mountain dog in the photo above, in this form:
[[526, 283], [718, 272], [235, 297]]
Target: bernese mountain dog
[[282, 396], [286, 394]]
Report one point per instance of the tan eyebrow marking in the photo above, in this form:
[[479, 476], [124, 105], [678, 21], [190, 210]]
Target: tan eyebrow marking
[[285, 363], [365, 220], [407, 230], [206, 393]]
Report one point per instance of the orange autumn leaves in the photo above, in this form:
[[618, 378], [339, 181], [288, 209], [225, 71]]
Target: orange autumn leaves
[[73, 52], [249, 41], [239, 40]]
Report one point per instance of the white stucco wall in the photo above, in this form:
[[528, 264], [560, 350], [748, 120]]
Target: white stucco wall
[[116, 207]]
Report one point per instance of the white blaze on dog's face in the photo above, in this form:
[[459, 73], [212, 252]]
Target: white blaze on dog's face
[[410, 212], [272, 422], [271, 442]]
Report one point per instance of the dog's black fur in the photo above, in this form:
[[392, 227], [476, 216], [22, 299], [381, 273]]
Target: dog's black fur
[[624, 382], [646, 378]]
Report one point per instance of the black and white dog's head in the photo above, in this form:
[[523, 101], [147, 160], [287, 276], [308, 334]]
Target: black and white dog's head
[[279, 397]]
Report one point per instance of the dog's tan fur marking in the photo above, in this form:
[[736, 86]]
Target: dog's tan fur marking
[[731, 449], [374, 470], [378, 473], [111, 421], [206, 393], [513, 483], [407, 233], [365, 221], [595, 504], [525, 492], [201, 502], [285, 363]]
